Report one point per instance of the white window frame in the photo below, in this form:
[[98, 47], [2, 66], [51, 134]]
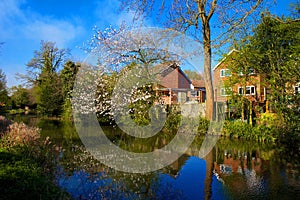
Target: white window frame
[[247, 87], [225, 72]]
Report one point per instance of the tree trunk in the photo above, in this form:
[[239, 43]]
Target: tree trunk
[[243, 110], [250, 113], [207, 72]]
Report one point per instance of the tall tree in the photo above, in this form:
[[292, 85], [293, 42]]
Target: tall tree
[[3, 90], [45, 61], [42, 72], [68, 76], [198, 18], [273, 51]]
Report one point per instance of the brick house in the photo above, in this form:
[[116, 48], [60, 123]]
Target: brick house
[[174, 86], [199, 92], [253, 87]]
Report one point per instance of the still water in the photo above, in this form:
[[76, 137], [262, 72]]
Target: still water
[[234, 169]]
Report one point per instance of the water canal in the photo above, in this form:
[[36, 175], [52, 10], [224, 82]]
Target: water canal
[[234, 169]]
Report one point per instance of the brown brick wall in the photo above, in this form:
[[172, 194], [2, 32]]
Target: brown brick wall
[[254, 80]]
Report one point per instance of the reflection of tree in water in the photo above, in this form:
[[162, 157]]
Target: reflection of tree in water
[[86, 178]]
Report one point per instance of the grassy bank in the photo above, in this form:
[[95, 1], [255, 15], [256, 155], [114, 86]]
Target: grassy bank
[[27, 164]]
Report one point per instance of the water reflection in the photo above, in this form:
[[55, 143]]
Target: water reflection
[[254, 172], [232, 170]]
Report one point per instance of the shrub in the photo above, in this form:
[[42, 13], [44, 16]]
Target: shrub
[[203, 125], [19, 134], [270, 119], [238, 129], [28, 164]]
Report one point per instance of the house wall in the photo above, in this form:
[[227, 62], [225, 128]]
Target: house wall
[[175, 79], [255, 80], [218, 83]]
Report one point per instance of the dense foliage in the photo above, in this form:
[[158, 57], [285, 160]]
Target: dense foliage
[[3, 91]]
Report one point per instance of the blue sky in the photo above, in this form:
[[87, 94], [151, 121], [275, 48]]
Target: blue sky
[[24, 23]]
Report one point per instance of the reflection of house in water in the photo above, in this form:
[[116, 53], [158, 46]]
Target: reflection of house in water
[[175, 87], [247, 166]]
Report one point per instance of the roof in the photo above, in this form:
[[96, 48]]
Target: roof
[[230, 52], [198, 83], [166, 68]]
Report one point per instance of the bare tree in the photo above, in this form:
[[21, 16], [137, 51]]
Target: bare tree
[[198, 18], [48, 59]]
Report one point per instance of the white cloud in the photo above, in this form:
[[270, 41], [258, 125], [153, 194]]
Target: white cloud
[[10, 8], [61, 32], [16, 21], [22, 29]]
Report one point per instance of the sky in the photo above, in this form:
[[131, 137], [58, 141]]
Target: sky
[[24, 23]]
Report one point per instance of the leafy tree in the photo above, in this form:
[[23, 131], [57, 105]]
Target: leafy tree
[[3, 90], [68, 76], [198, 18], [193, 75], [273, 51], [279, 47], [20, 96], [49, 96], [2, 80]]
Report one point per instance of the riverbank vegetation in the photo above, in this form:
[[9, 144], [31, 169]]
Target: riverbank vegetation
[[27, 163]]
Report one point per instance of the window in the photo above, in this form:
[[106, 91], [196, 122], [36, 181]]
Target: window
[[240, 90], [297, 89], [250, 90], [225, 91], [225, 72], [251, 71], [181, 97]]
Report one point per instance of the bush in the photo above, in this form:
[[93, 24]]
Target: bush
[[270, 119], [203, 125], [173, 120], [27, 164], [18, 134], [238, 129], [23, 178]]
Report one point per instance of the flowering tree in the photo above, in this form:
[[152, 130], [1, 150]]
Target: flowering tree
[[118, 52]]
